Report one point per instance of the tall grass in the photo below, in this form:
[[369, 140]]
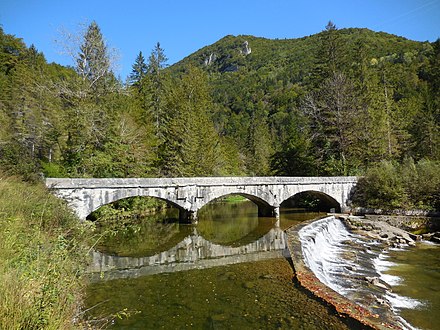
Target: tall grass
[[42, 258]]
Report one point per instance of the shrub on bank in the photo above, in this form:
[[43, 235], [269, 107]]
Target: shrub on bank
[[42, 258], [402, 186]]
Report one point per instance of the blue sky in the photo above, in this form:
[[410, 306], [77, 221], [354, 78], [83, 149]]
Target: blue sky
[[183, 27]]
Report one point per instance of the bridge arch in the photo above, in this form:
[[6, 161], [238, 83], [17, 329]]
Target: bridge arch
[[265, 209], [312, 199], [115, 200], [86, 201]]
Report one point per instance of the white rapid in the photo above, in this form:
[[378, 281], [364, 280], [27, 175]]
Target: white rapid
[[345, 261], [321, 243]]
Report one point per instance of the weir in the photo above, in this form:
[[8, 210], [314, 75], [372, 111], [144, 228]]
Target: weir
[[342, 268]]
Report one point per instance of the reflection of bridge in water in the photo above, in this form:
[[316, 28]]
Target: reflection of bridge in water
[[193, 252]]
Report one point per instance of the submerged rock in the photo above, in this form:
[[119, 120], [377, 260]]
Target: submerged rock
[[382, 302], [378, 282], [432, 237], [248, 285]]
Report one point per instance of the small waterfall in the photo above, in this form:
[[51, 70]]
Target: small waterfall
[[321, 247], [345, 261]]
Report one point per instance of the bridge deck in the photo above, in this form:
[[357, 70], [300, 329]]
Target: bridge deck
[[67, 183]]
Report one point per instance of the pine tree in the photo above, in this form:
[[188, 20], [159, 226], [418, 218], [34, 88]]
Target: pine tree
[[259, 146], [89, 114], [93, 61], [156, 64], [139, 70], [328, 55], [334, 113], [191, 146], [427, 124]]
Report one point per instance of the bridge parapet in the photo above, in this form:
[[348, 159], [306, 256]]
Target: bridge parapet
[[198, 181]]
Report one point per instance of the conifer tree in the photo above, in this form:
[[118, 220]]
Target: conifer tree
[[139, 70], [259, 146], [93, 61], [328, 55], [192, 145], [90, 117], [157, 80]]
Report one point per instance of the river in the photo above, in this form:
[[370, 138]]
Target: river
[[237, 295], [414, 274], [228, 272]]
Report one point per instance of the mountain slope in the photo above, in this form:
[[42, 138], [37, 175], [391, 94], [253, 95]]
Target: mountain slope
[[272, 95], [230, 52]]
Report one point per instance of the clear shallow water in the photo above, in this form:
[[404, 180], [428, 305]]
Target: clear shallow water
[[414, 274], [257, 295], [249, 295]]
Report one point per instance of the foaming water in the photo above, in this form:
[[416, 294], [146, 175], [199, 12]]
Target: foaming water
[[344, 261], [381, 265], [415, 296], [321, 247], [396, 301]]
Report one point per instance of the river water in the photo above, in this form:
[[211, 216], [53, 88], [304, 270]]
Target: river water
[[414, 274], [228, 272], [241, 294]]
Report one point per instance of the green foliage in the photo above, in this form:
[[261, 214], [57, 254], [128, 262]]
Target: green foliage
[[191, 146], [128, 208], [363, 94], [138, 71], [93, 62], [52, 170], [381, 187], [334, 103], [392, 186]]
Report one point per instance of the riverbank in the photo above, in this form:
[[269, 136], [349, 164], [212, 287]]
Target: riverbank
[[426, 226], [43, 253]]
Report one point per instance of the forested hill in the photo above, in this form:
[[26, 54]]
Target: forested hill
[[334, 103], [297, 55]]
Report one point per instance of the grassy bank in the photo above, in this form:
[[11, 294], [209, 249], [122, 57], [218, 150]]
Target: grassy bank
[[42, 255]]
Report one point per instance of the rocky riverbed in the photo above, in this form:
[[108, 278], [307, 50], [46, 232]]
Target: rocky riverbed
[[428, 227], [380, 230]]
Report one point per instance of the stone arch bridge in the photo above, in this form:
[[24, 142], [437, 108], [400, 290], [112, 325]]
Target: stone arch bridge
[[190, 194]]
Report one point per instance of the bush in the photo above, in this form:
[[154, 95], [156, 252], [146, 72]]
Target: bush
[[400, 186], [52, 170]]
